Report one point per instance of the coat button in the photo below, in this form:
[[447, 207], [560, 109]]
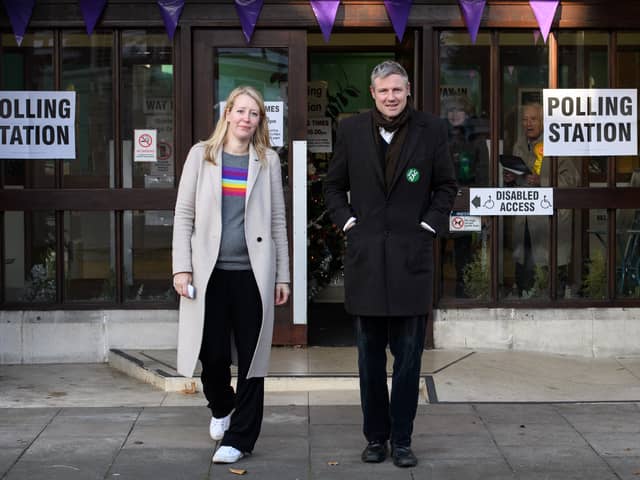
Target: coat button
[[259, 239]]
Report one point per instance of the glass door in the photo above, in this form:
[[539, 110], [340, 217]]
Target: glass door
[[275, 64]]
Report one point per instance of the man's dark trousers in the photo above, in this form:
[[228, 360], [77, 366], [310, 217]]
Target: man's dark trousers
[[405, 337]]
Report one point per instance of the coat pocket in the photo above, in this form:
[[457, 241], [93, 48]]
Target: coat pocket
[[353, 252], [420, 258]]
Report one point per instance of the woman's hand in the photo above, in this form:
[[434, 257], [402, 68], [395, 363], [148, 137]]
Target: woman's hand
[[180, 282], [282, 293]]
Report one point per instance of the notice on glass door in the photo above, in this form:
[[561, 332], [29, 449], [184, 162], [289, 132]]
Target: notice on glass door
[[275, 117], [319, 135], [145, 145]]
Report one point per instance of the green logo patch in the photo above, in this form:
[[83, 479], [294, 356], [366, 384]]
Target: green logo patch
[[413, 175]]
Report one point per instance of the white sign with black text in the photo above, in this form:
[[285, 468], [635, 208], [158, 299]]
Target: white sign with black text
[[145, 145], [37, 125], [511, 201], [319, 135], [590, 122], [275, 116]]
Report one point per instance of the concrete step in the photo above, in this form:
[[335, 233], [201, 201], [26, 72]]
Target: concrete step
[[157, 367], [150, 368]]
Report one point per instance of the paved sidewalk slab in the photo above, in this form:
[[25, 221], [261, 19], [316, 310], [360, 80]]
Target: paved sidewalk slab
[[470, 441], [536, 377]]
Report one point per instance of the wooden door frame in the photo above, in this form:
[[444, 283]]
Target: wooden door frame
[[204, 41]]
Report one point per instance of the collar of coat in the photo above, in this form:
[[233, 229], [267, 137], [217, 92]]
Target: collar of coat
[[416, 133]]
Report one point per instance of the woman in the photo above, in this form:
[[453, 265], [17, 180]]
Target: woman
[[230, 245]]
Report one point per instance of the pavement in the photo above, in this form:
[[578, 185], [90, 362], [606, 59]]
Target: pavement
[[74, 421]]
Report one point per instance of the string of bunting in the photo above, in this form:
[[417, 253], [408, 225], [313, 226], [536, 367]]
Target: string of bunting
[[19, 13]]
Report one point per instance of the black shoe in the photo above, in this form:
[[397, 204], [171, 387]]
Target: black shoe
[[374, 452], [403, 457]]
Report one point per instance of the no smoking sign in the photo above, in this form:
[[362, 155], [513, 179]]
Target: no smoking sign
[[145, 141], [145, 146], [463, 222]]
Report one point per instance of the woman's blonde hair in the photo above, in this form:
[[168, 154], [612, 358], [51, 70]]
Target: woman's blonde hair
[[260, 138]]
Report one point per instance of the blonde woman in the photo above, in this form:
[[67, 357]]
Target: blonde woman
[[230, 266]]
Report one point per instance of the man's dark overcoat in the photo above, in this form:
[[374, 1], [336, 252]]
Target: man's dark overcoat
[[389, 257]]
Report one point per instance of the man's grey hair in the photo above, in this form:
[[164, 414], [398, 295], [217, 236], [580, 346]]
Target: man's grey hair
[[386, 68]]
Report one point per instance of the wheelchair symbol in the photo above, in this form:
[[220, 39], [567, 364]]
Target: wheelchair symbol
[[544, 203], [489, 203]]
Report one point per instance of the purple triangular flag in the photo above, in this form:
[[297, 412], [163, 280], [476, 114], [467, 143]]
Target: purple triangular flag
[[91, 11], [248, 11], [19, 12], [472, 13], [536, 36], [325, 11], [398, 11], [544, 10], [171, 10]]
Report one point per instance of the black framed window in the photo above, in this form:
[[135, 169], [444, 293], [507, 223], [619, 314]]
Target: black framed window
[[587, 253], [80, 232]]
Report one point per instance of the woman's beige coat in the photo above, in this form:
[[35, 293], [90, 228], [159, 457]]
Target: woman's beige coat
[[197, 230]]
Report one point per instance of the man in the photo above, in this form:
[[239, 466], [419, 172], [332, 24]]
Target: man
[[531, 234], [395, 163]]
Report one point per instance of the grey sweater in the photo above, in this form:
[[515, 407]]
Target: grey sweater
[[233, 253]]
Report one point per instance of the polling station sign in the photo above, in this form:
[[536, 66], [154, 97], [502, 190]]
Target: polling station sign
[[37, 125], [590, 122], [511, 201]]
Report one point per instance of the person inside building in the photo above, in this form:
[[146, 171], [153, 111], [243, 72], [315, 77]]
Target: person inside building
[[395, 163], [531, 233], [230, 266], [471, 165]]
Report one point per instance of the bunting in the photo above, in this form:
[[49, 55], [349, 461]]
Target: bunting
[[19, 12], [248, 11], [544, 10], [472, 13], [171, 11], [398, 11], [325, 11], [91, 11]]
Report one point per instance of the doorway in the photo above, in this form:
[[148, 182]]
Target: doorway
[[338, 87], [275, 64], [313, 85]]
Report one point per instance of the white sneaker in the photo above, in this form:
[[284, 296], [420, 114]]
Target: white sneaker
[[227, 455], [218, 426]]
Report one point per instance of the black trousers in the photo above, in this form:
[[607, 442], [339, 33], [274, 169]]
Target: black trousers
[[233, 311], [384, 419]]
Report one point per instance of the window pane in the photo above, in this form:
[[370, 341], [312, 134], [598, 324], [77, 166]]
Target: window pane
[[89, 247], [628, 76], [338, 87], [584, 63], [524, 262], [628, 252], [147, 255], [465, 103], [147, 103], [28, 67], [86, 69], [466, 263], [30, 256], [587, 272], [267, 70]]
